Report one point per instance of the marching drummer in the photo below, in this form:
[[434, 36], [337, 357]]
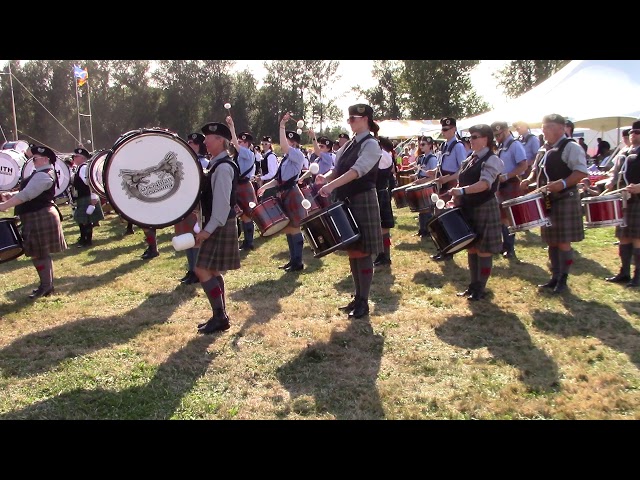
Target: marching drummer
[[41, 227], [557, 173], [626, 175], [427, 160], [88, 209], [475, 194], [514, 158], [286, 182], [354, 177]]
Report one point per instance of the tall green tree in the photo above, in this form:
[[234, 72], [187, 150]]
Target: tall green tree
[[520, 76], [386, 96]]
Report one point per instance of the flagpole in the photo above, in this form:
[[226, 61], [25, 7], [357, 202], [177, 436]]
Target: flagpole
[[13, 105], [90, 117], [78, 105]]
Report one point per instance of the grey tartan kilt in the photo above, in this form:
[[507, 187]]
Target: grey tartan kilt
[[484, 220], [42, 232], [566, 219], [80, 213], [366, 212], [507, 191], [632, 218], [245, 194], [387, 219], [220, 251]]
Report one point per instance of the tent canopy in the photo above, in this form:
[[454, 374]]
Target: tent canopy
[[403, 129]]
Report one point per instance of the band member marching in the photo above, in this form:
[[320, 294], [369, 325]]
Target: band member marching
[[84, 215]]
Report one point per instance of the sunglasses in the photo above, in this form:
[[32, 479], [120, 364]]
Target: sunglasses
[[353, 117], [424, 144], [634, 131], [475, 137], [446, 129]]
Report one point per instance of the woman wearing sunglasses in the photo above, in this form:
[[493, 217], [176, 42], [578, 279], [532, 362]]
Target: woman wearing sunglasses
[[475, 194]]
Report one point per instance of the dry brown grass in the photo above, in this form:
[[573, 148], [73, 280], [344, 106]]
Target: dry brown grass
[[118, 339]]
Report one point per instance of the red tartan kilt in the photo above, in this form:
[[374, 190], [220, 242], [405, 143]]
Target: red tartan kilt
[[245, 194], [508, 192], [186, 225]]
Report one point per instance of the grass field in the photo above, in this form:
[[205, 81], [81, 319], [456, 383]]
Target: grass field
[[118, 338]]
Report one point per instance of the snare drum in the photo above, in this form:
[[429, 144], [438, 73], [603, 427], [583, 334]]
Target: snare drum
[[399, 195], [404, 180], [10, 240], [62, 171], [269, 216], [419, 197], [526, 212], [329, 229], [11, 164], [307, 192], [152, 178], [603, 211], [450, 231]]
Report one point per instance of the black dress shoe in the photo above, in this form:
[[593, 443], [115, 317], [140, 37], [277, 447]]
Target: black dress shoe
[[285, 266], [382, 261], [466, 293], [619, 278], [294, 268], [360, 310], [550, 284], [635, 281], [246, 248], [438, 257], [186, 276], [149, 254], [476, 295], [129, 232], [41, 292], [509, 254], [561, 286], [349, 306], [193, 278], [215, 324]]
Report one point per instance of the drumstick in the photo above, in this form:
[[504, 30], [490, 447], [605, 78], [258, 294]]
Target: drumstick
[[228, 107], [613, 191]]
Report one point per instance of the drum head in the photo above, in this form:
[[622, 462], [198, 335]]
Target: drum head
[[95, 172], [11, 163], [62, 170], [152, 178]]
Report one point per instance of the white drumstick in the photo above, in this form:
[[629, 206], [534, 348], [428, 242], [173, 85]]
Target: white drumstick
[[314, 168], [299, 131], [306, 204], [440, 204], [434, 197], [300, 124], [196, 228], [252, 205]]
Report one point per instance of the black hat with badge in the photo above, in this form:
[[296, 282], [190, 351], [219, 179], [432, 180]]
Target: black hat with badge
[[483, 129], [325, 141], [82, 151], [499, 127], [635, 125], [554, 118], [246, 136], [267, 139], [448, 122], [291, 135], [195, 137], [44, 152], [344, 135], [215, 128], [361, 110]]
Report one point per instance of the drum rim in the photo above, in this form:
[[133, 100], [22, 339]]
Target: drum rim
[[18, 167], [522, 198], [125, 138], [612, 197], [422, 185], [97, 155], [328, 208]]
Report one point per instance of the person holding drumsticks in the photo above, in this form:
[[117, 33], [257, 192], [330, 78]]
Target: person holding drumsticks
[[88, 209], [286, 182], [41, 227], [475, 194], [626, 175], [427, 160], [268, 166], [218, 240], [557, 173], [354, 178], [384, 185]]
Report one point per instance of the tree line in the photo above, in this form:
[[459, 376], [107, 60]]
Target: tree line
[[181, 95]]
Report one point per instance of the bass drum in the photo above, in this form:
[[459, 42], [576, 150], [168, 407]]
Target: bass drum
[[11, 164], [62, 171], [95, 172], [152, 178]]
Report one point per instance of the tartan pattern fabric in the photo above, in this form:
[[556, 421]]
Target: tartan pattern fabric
[[366, 212], [508, 191], [566, 220], [220, 251], [245, 194], [484, 220], [387, 220], [80, 213], [632, 219], [186, 225], [291, 201], [42, 232]]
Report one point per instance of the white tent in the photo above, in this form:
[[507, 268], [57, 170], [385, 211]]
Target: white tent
[[403, 129], [597, 94]]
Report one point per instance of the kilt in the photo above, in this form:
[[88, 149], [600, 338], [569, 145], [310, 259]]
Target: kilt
[[632, 219], [292, 205], [566, 220], [80, 213], [245, 193], [186, 225], [220, 251], [484, 220], [366, 212], [508, 191], [42, 232], [386, 212]]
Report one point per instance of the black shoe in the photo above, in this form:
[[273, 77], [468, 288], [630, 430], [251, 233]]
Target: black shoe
[[360, 309], [619, 278], [201, 325], [349, 306], [420, 233], [285, 266], [438, 257], [294, 268], [186, 276], [550, 284], [466, 293], [509, 254], [635, 281], [129, 232], [245, 248], [41, 292], [477, 295], [215, 324], [381, 260], [149, 254], [191, 279], [561, 286]]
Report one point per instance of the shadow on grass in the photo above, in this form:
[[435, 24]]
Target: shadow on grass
[[450, 272], [157, 399], [591, 319], [38, 352], [507, 339], [337, 377]]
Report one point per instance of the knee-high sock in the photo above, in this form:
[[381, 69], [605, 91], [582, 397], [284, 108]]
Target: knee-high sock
[[44, 267], [88, 232], [626, 252], [355, 274], [636, 255], [484, 269], [214, 293], [422, 221], [474, 268], [151, 240], [290, 243], [192, 254], [386, 241], [248, 229], [508, 239], [554, 257], [298, 244], [566, 260], [224, 298], [365, 268]]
